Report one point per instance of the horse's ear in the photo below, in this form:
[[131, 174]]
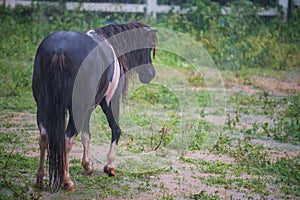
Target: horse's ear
[[154, 51], [154, 39], [151, 34], [151, 31]]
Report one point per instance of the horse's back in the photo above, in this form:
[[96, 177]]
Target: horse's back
[[73, 44]]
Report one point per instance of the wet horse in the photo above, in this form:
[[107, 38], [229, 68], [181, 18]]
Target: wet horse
[[73, 73]]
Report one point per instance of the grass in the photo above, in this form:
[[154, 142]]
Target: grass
[[162, 124]]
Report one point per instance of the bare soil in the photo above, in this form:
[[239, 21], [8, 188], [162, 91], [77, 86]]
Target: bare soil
[[184, 178]]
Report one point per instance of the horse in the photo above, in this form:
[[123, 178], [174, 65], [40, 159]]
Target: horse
[[73, 73]]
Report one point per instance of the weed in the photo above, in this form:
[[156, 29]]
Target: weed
[[223, 144], [211, 167], [156, 94], [253, 130], [287, 122], [14, 168], [196, 80], [265, 127], [287, 171], [230, 122], [251, 156], [200, 135], [203, 195], [257, 185], [253, 160]]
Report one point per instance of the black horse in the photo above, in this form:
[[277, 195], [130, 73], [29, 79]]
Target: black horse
[[75, 72]]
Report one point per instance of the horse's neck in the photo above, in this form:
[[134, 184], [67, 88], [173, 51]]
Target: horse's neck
[[97, 38], [131, 60]]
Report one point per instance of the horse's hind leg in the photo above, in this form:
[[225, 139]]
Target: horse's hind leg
[[43, 146], [67, 182], [70, 137], [85, 139]]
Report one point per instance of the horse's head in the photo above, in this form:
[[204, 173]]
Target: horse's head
[[133, 44], [145, 68]]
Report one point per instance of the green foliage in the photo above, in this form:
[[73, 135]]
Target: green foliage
[[289, 174], [203, 129], [211, 167], [17, 52], [195, 79], [253, 158], [230, 122], [239, 41], [235, 41], [287, 122], [21, 31], [14, 173], [204, 196], [241, 38], [223, 144], [251, 155], [156, 94]]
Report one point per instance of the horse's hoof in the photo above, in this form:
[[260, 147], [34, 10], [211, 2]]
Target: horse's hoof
[[89, 172], [69, 186], [109, 171], [39, 184], [88, 169]]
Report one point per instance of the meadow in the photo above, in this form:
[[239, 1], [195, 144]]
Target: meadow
[[220, 120]]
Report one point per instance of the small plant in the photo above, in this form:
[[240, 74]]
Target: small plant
[[223, 145], [195, 79], [266, 128], [288, 174], [161, 138], [204, 196], [231, 122], [156, 94], [199, 136], [251, 156], [287, 122], [253, 130]]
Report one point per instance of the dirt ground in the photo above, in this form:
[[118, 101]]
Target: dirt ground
[[182, 177]]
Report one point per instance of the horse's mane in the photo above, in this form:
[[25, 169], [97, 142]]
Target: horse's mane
[[118, 44], [112, 30]]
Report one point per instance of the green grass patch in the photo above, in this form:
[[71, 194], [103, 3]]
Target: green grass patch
[[204, 196], [252, 159], [160, 124]]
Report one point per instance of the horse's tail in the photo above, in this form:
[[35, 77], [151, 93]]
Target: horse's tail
[[56, 119]]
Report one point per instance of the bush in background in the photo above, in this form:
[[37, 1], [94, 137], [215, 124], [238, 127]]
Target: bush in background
[[241, 39]]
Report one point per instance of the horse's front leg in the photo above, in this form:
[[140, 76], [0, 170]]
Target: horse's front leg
[[85, 139], [109, 169], [113, 120]]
